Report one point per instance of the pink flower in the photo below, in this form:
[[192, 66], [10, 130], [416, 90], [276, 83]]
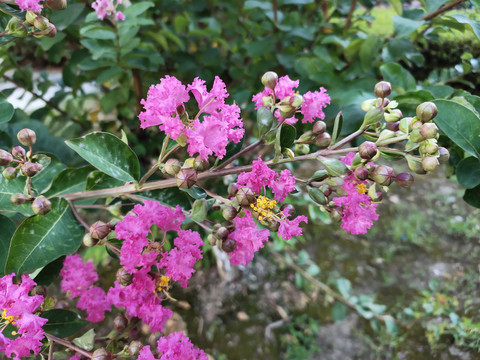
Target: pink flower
[[209, 102], [283, 185], [29, 5], [107, 8], [18, 309], [260, 176], [207, 137], [175, 346], [290, 228], [120, 16], [313, 106], [248, 238], [78, 279]]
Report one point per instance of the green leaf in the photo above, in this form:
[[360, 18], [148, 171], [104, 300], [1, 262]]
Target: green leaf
[[195, 192], [169, 197], [339, 311], [95, 31], [468, 172], [474, 25], [7, 189], [43, 180], [109, 154], [41, 239], [62, 323], [285, 137], [337, 128], [369, 51], [137, 9], [6, 110], [8, 228], [397, 6], [408, 102], [460, 124], [404, 27], [86, 341], [264, 120], [50, 272], [199, 210], [334, 167], [344, 287], [69, 181], [472, 196], [400, 78]]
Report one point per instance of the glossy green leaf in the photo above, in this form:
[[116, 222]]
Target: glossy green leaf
[[95, 31], [6, 110], [109, 154], [8, 228], [460, 124], [472, 196], [169, 197], [62, 323], [400, 78], [264, 120], [474, 25], [50, 272], [404, 27], [344, 287], [7, 189], [285, 137], [468, 172], [99, 180], [397, 6], [86, 341], [41, 239], [195, 192], [339, 311], [51, 167], [69, 181]]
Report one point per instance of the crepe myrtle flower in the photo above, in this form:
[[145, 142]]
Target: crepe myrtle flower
[[175, 346], [29, 5]]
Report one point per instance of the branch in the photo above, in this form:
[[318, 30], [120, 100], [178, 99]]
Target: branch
[[68, 344], [442, 10], [348, 23]]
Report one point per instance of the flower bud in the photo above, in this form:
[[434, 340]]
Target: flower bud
[[27, 137], [245, 196], [393, 116], [41, 205], [383, 175], [302, 149], [30, 17], [39, 290], [232, 189], [273, 225], [323, 140], [101, 354], [430, 163], [99, 230], [444, 155], [135, 333], [57, 4], [327, 190], [317, 195], [288, 210], [186, 178], [228, 245], [30, 169], [5, 157], [367, 150], [426, 111], [18, 199], [229, 213], [18, 152], [361, 174], [415, 165], [172, 167], [200, 164], [41, 23], [9, 173], [297, 101], [306, 136], [124, 277], [373, 116], [16, 27], [267, 101], [88, 241], [334, 167], [404, 179], [415, 136], [211, 239], [428, 146], [120, 323], [429, 130], [153, 338], [270, 79], [134, 347], [368, 104], [383, 89], [394, 126], [319, 127], [405, 125], [221, 233]]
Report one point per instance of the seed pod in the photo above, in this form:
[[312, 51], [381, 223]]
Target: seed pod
[[124, 277], [426, 111], [186, 178], [367, 150], [383, 89], [18, 199], [41, 205], [444, 155], [120, 322], [229, 245], [9, 173], [245, 196], [270, 79], [229, 213], [323, 140], [430, 163], [383, 175], [5, 157], [99, 230], [172, 167], [101, 354], [404, 179], [88, 241], [319, 127]]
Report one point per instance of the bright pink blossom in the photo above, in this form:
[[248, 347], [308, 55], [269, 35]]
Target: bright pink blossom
[[312, 108], [290, 228], [29, 5], [260, 176], [94, 302], [105, 8], [17, 306], [175, 346], [248, 238], [283, 185]]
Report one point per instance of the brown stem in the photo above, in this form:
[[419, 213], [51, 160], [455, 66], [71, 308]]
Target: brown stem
[[240, 153], [112, 247], [442, 10], [348, 23], [77, 215], [48, 102], [70, 345], [348, 139]]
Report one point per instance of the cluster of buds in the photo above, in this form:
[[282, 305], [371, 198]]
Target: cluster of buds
[[186, 174], [26, 166], [289, 105], [318, 136], [98, 231]]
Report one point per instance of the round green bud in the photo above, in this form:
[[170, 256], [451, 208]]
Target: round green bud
[[444, 155], [297, 101], [404, 179], [99, 230], [270, 79], [172, 167], [245, 196], [393, 116], [200, 164], [221, 233], [361, 174], [430, 163], [41, 23], [41, 205], [88, 241], [211, 239], [367, 105], [101, 354], [18, 199], [306, 136], [383, 175], [383, 89], [120, 323], [428, 147], [429, 130], [367, 150], [9, 173], [5, 157], [302, 149], [30, 169], [16, 27], [229, 213], [228, 245], [319, 127], [27, 137], [426, 111], [415, 165], [415, 136], [323, 140], [186, 178], [124, 277]]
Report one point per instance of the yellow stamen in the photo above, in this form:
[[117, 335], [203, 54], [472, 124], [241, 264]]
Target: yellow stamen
[[8, 319], [362, 188]]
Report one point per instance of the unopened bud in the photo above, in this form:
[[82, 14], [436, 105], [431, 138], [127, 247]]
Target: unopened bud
[[273, 225], [229, 213], [429, 130], [221, 233], [301, 149], [385, 135], [30, 169], [134, 347], [57, 4], [99, 230], [16, 27], [297, 101], [383, 175], [394, 126], [120, 323], [415, 136], [317, 195], [426, 111], [383, 89], [30, 17], [245, 196], [153, 338], [404, 179], [39, 290], [428, 147], [232, 189], [405, 125], [367, 105], [323, 140], [186, 178], [27, 137], [211, 239], [41, 205], [319, 127], [415, 165], [327, 190], [124, 277], [9, 173], [18, 152], [367, 150], [88, 241], [200, 164], [306, 136], [18, 199], [430, 163], [393, 116], [334, 167], [172, 167], [101, 354], [5, 157], [373, 116], [228, 245], [361, 174], [51, 32], [444, 155], [41, 23], [270, 79]]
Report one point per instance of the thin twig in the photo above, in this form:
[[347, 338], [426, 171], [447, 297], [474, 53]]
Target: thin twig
[[50, 350], [70, 345], [77, 215], [349, 138], [442, 10], [240, 153], [348, 23]]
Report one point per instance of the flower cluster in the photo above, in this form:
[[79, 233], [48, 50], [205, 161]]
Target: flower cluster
[[78, 279], [17, 310], [220, 123], [357, 208], [175, 346], [311, 108], [139, 253], [29, 5], [105, 8]]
